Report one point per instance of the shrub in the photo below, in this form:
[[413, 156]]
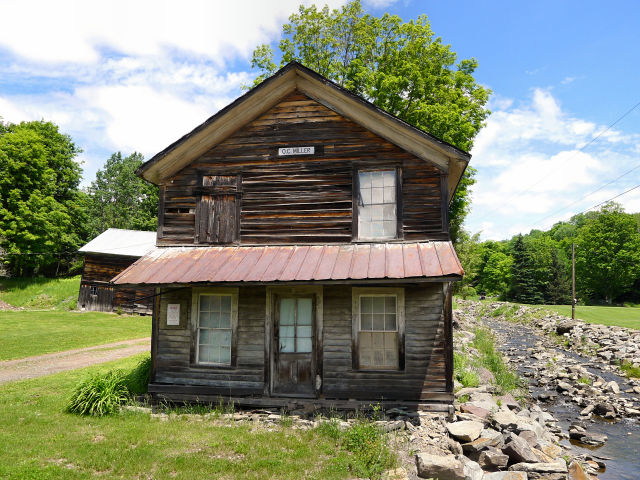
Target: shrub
[[99, 395], [137, 381], [468, 292]]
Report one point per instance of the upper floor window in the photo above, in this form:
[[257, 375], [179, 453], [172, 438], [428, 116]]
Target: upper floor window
[[377, 205], [216, 213]]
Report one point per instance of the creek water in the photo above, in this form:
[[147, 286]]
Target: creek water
[[621, 452]]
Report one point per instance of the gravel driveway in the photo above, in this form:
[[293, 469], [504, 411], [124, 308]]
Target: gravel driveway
[[41, 365]]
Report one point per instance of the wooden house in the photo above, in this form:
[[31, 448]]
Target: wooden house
[[106, 256], [303, 253]]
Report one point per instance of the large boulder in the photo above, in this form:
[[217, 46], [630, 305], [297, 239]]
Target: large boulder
[[559, 466], [518, 450], [505, 420], [492, 459], [471, 469], [446, 467], [576, 472], [465, 431]]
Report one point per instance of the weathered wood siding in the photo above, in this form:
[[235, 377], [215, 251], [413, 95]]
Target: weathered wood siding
[[98, 270], [174, 346], [301, 199], [423, 377]]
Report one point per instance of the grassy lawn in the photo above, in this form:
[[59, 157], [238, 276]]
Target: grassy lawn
[[620, 316], [56, 293], [39, 441], [26, 333]]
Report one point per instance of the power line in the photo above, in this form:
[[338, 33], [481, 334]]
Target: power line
[[610, 199], [587, 195]]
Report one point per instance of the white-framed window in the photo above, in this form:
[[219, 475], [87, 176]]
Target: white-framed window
[[377, 204], [215, 315], [378, 327]]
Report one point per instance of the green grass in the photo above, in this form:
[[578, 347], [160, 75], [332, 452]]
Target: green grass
[[41, 293], [630, 371], [616, 316], [492, 360], [38, 440], [26, 333]]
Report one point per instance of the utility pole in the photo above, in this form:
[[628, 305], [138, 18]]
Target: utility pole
[[573, 281]]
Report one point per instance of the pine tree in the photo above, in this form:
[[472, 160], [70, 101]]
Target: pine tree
[[559, 289], [523, 283]]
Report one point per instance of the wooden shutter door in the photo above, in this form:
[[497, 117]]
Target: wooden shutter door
[[216, 214]]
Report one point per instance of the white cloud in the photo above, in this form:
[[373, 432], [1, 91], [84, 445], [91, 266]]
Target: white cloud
[[535, 163], [82, 31]]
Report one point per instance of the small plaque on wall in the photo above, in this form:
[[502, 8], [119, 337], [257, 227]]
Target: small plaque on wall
[[173, 314]]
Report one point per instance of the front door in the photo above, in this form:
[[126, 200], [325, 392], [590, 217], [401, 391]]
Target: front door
[[293, 342]]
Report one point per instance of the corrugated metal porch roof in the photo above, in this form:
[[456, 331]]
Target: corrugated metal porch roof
[[293, 263]]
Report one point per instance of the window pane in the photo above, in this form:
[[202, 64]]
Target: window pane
[[304, 345], [366, 321], [378, 358], [378, 321], [214, 354], [204, 354], [365, 214], [215, 303], [390, 304], [389, 194], [215, 319], [366, 304], [287, 306], [390, 321], [377, 180], [391, 358], [205, 320], [205, 303], [225, 320], [389, 178], [365, 180], [365, 229], [365, 340], [304, 311], [377, 213], [303, 332], [378, 304], [377, 230], [225, 338], [225, 303], [287, 344], [205, 337], [287, 331], [389, 212], [389, 229], [225, 355], [377, 195]]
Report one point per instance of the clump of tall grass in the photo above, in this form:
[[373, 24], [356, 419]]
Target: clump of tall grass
[[99, 395], [492, 360], [104, 393], [367, 442]]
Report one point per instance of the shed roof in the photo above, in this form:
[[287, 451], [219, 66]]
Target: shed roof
[[117, 241], [257, 264], [295, 76]]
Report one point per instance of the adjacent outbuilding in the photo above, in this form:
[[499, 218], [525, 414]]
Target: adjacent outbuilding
[[106, 256]]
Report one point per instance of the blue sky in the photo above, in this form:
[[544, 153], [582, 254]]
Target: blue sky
[[125, 76]]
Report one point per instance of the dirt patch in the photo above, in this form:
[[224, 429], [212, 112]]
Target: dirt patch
[[32, 367]]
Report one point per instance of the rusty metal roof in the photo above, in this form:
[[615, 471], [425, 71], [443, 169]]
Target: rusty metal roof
[[293, 263]]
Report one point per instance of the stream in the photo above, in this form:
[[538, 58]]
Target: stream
[[621, 452]]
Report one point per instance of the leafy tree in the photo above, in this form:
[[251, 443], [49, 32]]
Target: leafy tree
[[399, 66], [608, 254], [120, 199], [41, 215], [496, 275]]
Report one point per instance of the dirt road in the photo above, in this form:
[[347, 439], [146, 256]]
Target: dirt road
[[41, 365]]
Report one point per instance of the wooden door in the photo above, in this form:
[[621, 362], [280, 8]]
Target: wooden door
[[294, 345], [216, 209]]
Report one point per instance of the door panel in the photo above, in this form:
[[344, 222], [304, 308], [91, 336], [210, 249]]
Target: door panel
[[294, 345]]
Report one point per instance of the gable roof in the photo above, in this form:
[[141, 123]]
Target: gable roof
[[267, 94], [117, 241]]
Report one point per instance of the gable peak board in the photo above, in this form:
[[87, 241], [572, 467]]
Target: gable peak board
[[269, 93]]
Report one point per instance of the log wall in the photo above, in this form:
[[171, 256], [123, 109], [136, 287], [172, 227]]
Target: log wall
[[422, 380], [302, 199]]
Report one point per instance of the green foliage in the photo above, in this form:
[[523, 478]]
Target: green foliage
[[42, 219], [40, 293], [630, 371], [137, 380], [463, 372], [524, 288], [492, 360], [584, 380], [468, 292], [608, 254], [118, 198], [402, 67], [99, 395], [368, 444]]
